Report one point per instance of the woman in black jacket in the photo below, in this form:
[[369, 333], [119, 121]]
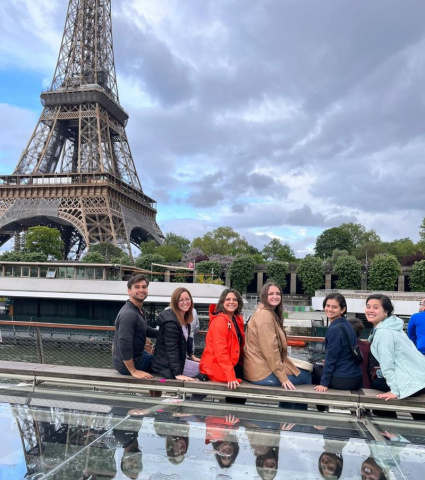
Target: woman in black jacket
[[173, 357]]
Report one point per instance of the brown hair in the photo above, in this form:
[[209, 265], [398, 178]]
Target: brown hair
[[174, 305], [278, 309], [220, 304], [138, 277]]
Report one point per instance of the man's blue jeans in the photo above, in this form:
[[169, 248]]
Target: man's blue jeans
[[304, 378], [143, 363]]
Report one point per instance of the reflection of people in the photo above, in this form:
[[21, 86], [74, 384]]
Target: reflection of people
[[370, 470], [175, 429], [176, 448], [340, 370], [126, 435], [224, 442], [171, 349], [266, 361], [402, 365], [330, 465], [267, 464], [131, 329], [416, 327], [223, 355]]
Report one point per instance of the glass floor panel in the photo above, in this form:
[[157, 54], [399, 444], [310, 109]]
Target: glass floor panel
[[58, 438]]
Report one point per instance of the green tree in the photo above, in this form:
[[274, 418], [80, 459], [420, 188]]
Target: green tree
[[182, 244], [242, 271], [417, 277], [146, 261], [276, 250], [331, 239], [359, 235], [422, 230], [93, 257], [368, 251], [12, 256], [149, 247], [209, 269], [383, 272], [348, 271], [277, 272], [329, 263], [108, 251], [169, 252], [222, 241], [400, 248], [310, 272], [44, 240]]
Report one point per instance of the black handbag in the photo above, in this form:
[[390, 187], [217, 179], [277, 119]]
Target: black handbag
[[355, 351]]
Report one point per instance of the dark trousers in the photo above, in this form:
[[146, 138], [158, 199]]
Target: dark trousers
[[337, 383]]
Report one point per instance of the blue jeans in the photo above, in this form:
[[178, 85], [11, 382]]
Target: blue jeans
[[141, 363], [304, 378]]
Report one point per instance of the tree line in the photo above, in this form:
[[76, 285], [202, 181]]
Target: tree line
[[345, 251]]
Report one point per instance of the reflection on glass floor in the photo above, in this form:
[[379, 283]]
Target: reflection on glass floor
[[59, 439]]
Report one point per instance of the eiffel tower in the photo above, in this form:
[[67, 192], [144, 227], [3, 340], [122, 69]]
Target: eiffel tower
[[77, 173]]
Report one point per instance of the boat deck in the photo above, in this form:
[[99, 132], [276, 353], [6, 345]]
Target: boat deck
[[38, 376]]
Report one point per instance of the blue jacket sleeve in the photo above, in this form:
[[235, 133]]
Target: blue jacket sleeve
[[333, 348], [411, 330]]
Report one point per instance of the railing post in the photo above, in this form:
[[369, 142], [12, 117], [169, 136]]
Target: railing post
[[39, 341]]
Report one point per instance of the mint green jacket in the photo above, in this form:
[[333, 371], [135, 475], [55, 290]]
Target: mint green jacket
[[402, 365]]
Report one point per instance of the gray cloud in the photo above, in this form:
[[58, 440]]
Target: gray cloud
[[263, 115]]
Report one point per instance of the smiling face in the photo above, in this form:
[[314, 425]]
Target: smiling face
[[370, 471], [375, 312], [328, 464], [185, 303], [226, 452], [274, 297], [230, 303], [333, 309], [138, 292]]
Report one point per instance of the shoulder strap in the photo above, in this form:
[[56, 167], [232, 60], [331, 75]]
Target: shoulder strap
[[345, 335]]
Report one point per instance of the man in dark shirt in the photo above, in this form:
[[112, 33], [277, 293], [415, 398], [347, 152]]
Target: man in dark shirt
[[131, 330]]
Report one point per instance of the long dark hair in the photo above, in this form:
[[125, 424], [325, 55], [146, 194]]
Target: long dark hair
[[278, 309], [338, 468], [219, 308], [235, 446]]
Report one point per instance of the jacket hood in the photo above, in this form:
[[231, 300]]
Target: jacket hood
[[212, 313], [392, 323], [166, 316]]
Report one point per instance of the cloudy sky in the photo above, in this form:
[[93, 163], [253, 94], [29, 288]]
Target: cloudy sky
[[279, 118]]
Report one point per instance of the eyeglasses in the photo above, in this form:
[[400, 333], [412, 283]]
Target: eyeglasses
[[185, 300]]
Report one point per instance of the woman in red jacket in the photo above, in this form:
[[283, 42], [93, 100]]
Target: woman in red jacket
[[222, 360]]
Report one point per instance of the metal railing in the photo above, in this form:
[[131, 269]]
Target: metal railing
[[67, 344]]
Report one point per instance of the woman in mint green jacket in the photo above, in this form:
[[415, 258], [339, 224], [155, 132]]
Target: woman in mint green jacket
[[402, 365]]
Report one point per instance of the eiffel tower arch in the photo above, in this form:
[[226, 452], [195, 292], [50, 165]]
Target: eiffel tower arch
[[77, 172]]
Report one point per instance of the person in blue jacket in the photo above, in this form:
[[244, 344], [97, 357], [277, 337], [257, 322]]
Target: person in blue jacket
[[416, 327], [402, 365], [340, 370]]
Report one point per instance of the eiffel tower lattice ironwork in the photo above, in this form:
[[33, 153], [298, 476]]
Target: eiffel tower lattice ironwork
[[77, 172]]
